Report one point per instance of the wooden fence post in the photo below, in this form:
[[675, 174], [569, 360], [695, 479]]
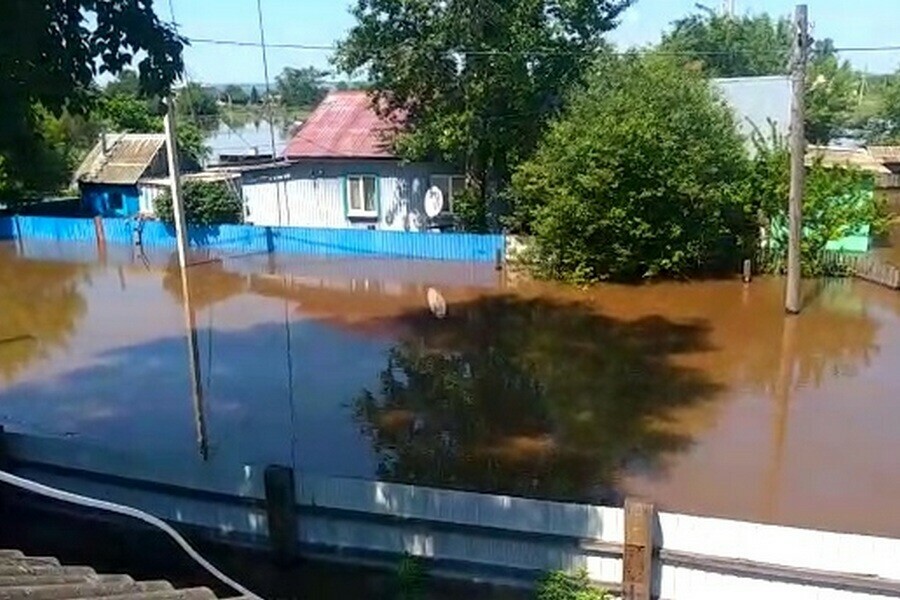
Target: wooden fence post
[[20, 241], [3, 466], [101, 238], [637, 558], [281, 512], [2, 448]]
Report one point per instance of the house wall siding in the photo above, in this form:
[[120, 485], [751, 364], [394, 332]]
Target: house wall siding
[[313, 194], [96, 197]]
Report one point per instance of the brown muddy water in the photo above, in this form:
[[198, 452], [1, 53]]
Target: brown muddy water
[[700, 396]]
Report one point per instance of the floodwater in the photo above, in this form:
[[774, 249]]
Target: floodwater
[[250, 137], [700, 396]]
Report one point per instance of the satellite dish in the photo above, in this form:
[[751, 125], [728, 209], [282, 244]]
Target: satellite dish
[[436, 303], [434, 202]]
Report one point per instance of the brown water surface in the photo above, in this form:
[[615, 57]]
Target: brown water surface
[[700, 396]]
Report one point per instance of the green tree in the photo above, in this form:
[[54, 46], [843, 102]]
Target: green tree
[[474, 80], [121, 112], [192, 146], [195, 100], [637, 178], [726, 46], [755, 45], [831, 93], [300, 87], [884, 128], [254, 95], [126, 84], [42, 164], [235, 94], [50, 53], [205, 203], [124, 113]]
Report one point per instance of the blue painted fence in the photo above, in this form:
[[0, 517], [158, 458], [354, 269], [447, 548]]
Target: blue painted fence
[[242, 239]]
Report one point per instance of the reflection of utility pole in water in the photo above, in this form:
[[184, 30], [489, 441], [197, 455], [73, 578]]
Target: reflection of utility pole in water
[[781, 411], [290, 380], [190, 317], [190, 324]]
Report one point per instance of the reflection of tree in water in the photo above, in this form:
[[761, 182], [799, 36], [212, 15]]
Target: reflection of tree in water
[[208, 281], [529, 397], [39, 307]]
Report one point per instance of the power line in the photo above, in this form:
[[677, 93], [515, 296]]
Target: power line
[[259, 44], [268, 103], [548, 51], [265, 61]]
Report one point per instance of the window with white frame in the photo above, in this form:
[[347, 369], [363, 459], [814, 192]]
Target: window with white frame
[[451, 186], [362, 198]]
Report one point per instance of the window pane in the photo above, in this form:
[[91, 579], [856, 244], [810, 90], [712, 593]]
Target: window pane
[[458, 185], [356, 202], [369, 183]]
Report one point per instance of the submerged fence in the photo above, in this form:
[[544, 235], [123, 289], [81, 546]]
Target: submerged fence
[[866, 267], [247, 239]]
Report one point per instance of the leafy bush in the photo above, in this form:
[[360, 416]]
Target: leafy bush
[[640, 177], [410, 578], [559, 585], [205, 203]]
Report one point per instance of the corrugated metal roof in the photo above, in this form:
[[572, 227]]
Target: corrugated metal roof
[[885, 154], [860, 158], [344, 125], [127, 157]]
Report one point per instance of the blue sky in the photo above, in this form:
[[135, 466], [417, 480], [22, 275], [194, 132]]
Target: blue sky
[[322, 22]]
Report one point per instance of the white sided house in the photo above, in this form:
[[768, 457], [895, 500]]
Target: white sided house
[[339, 172]]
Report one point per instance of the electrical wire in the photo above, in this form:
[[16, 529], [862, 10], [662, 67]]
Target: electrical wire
[[265, 61], [64, 496], [546, 51]]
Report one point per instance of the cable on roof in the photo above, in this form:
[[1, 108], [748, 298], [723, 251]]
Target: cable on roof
[[57, 494]]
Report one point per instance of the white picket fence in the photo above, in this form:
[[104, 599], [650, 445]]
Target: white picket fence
[[480, 535]]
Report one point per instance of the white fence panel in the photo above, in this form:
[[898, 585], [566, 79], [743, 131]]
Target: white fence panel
[[700, 558], [786, 546]]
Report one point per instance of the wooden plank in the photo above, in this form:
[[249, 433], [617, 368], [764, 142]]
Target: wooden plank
[[638, 552]]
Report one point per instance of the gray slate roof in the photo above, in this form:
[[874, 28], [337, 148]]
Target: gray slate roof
[[43, 578], [127, 158]]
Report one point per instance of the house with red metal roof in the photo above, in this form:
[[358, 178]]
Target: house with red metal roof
[[340, 171]]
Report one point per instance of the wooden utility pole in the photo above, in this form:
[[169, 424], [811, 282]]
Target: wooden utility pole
[[798, 158], [175, 184]]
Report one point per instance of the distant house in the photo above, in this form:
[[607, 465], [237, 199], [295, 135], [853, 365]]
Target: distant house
[[864, 159], [759, 103], [109, 177], [340, 172]]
